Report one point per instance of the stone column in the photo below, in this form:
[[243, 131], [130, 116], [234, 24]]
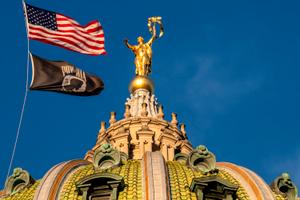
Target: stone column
[[186, 148], [171, 152], [142, 147], [136, 151], [145, 138], [167, 146], [164, 151]]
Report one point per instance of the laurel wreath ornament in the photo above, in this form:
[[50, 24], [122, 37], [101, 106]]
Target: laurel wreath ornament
[[152, 21]]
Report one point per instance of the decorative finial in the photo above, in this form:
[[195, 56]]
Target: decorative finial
[[182, 129], [141, 82], [160, 113], [127, 111], [112, 118], [174, 119], [102, 127], [143, 50], [102, 130], [144, 112]]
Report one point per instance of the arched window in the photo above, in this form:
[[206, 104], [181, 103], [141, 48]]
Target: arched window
[[100, 186], [213, 188]]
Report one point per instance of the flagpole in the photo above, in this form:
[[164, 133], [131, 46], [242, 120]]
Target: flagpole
[[25, 97], [28, 47]]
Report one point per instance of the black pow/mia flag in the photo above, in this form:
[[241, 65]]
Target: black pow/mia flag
[[61, 76]]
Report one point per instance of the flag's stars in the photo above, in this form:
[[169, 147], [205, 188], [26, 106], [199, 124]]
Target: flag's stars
[[41, 17]]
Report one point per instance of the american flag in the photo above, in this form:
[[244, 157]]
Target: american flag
[[60, 30]]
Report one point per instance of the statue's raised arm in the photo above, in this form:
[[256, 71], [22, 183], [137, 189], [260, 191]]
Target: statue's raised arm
[[151, 40], [128, 45], [143, 51]]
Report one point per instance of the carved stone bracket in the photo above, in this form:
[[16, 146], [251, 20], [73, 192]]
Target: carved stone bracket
[[18, 181], [106, 157], [284, 186], [203, 160]]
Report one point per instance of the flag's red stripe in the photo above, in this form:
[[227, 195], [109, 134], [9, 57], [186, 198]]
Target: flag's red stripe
[[101, 35], [70, 44], [68, 24], [74, 24], [89, 35], [92, 30], [55, 44], [86, 48], [59, 37], [60, 17], [78, 25], [66, 35], [92, 34], [49, 41], [59, 45]]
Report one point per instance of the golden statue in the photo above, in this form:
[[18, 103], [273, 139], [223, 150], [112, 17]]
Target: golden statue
[[143, 51]]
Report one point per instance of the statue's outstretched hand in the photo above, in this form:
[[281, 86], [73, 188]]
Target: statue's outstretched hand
[[125, 41]]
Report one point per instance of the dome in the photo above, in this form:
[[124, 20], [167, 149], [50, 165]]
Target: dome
[[165, 180]]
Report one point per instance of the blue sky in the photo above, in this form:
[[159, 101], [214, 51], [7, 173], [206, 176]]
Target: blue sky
[[230, 69]]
